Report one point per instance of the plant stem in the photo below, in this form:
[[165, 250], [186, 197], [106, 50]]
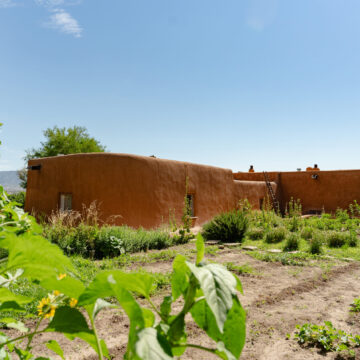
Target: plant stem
[[154, 308], [101, 356], [19, 338], [213, 351], [30, 337]]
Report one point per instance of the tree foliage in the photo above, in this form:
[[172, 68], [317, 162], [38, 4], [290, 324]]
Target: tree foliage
[[65, 141]]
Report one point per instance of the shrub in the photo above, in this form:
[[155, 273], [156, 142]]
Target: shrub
[[275, 235], [227, 227], [336, 239], [316, 245], [19, 198], [107, 241], [113, 240], [342, 215], [307, 233], [255, 233], [292, 242], [352, 239]]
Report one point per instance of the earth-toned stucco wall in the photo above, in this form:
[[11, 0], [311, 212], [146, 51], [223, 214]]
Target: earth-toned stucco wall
[[139, 190], [331, 189]]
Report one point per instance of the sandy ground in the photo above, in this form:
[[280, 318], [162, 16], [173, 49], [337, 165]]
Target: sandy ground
[[276, 298]]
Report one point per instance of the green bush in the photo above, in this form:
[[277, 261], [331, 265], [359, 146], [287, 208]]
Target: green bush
[[255, 233], [307, 233], [275, 235], [19, 198], [107, 241], [227, 227], [292, 242], [352, 239], [132, 240], [316, 244], [336, 239]]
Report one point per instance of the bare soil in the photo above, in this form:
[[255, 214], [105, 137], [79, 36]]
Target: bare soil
[[276, 298]]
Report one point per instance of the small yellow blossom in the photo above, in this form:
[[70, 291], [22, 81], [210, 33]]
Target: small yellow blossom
[[61, 276], [45, 308], [56, 293], [73, 302]]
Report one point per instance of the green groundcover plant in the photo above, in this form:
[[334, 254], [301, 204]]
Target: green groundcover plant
[[208, 290]]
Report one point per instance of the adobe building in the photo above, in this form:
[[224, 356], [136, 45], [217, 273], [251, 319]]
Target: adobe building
[[143, 191]]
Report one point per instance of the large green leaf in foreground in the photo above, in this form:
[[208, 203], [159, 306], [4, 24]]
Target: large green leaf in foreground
[[219, 287], [35, 255]]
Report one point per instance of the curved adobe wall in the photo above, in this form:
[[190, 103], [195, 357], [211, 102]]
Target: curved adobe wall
[[254, 191], [332, 189], [140, 189]]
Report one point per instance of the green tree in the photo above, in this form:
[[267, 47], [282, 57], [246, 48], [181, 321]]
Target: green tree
[[65, 141], [73, 140]]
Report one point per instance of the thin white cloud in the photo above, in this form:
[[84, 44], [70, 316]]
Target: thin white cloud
[[49, 3], [65, 23], [261, 13], [7, 3]]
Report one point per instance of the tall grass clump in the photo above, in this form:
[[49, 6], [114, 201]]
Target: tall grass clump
[[81, 233], [307, 233], [352, 239], [275, 235], [255, 233], [336, 239], [292, 242], [315, 244], [227, 227]]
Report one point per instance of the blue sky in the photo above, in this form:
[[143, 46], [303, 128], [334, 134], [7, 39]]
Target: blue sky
[[229, 83]]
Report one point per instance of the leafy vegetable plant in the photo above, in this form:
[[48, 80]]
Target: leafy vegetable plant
[[327, 337], [355, 306], [208, 292]]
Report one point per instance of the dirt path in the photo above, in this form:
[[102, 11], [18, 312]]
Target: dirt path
[[276, 298]]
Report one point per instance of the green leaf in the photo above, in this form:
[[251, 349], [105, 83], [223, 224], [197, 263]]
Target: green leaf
[[180, 277], [14, 324], [54, 346], [102, 285], [223, 353], [104, 349], [67, 286], [72, 324], [219, 287], [148, 316], [200, 247], [35, 255], [235, 329], [11, 306], [205, 319], [165, 307], [99, 305], [152, 346], [238, 284], [7, 298]]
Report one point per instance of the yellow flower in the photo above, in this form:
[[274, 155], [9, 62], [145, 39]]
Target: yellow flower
[[73, 302], [45, 308], [56, 293], [52, 312], [61, 276]]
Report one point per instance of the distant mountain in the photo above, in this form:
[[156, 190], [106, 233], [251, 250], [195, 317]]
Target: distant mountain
[[10, 181]]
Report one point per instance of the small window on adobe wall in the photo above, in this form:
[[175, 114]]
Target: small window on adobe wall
[[190, 201], [261, 203], [65, 202]]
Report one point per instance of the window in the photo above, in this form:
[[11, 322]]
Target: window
[[190, 202], [261, 203], [65, 202]]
